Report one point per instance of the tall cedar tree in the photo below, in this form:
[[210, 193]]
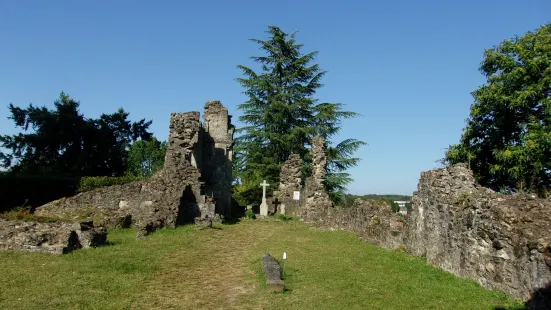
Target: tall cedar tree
[[62, 142], [282, 115], [507, 139]]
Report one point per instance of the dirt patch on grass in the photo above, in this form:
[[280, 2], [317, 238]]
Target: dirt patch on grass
[[212, 276]]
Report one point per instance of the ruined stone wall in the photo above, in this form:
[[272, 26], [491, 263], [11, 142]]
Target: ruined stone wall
[[503, 242], [195, 181], [217, 155], [54, 238], [317, 202], [290, 178], [373, 221]]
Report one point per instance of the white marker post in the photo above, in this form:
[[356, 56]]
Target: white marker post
[[264, 205]]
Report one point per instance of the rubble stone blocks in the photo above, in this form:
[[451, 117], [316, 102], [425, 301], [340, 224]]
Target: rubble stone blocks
[[317, 202], [54, 238], [272, 271], [195, 181]]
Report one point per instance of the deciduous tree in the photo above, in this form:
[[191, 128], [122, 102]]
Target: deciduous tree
[[507, 139]]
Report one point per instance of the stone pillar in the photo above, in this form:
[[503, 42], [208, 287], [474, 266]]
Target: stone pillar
[[217, 155], [289, 181], [317, 200]]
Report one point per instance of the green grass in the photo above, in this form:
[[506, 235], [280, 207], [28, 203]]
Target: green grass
[[220, 268]]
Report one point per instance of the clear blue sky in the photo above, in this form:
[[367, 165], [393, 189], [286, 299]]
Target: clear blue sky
[[407, 66]]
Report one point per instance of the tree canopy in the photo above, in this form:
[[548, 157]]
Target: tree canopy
[[281, 116], [146, 157], [63, 142], [507, 139]]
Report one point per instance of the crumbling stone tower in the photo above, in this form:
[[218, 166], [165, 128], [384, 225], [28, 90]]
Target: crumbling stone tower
[[217, 149], [317, 200], [195, 181]]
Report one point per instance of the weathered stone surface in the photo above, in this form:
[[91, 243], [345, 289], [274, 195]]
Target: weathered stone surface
[[289, 181], [55, 238], [202, 223], [500, 241], [373, 221], [195, 180], [272, 271], [317, 200], [218, 154]]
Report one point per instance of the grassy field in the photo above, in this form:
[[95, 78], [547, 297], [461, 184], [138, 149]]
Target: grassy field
[[220, 269]]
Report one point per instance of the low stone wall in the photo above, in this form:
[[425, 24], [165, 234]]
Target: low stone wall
[[373, 221], [55, 238], [501, 241]]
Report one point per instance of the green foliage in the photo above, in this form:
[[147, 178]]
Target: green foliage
[[507, 139], [34, 191], [281, 116], [250, 214], [146, 157], [286, 218], [63, 142], [248, 191], [90, 183], [23, 214]]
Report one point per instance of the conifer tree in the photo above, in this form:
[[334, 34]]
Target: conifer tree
[[281, 115]]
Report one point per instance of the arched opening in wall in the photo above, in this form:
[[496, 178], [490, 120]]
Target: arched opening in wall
[[188, 209]]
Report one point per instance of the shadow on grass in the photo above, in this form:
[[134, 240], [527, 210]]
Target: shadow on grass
[[231, 220], [541, 299], [108, 244]]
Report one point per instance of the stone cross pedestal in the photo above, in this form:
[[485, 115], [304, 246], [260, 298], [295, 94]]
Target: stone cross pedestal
[[264, 205]]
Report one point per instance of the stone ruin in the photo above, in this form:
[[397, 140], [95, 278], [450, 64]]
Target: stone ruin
[[193, 185], [317, 200], [501, 241], [290, 178], [54, 238], [314, 202]]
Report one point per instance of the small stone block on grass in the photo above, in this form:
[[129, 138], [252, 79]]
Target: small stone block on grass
[[272, 271]]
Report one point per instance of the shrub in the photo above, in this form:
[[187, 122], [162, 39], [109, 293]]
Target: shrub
[[90, 183], [285, 218], [34, 191], [23, 214], [250, 214]]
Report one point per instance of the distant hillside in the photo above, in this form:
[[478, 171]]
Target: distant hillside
[[392, 197]]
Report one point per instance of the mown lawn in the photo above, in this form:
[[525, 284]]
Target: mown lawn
[[220, 269]]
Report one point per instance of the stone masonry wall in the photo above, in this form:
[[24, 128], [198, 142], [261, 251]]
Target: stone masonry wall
[[373, 221], [195, 181], [317, 202], [217, 155], [54, 238], [290, 177], [501, 241]]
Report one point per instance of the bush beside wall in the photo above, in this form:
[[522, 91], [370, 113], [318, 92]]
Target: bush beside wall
[[17, 191]]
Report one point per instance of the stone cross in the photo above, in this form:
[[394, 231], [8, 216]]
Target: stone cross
[[264, 205]]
